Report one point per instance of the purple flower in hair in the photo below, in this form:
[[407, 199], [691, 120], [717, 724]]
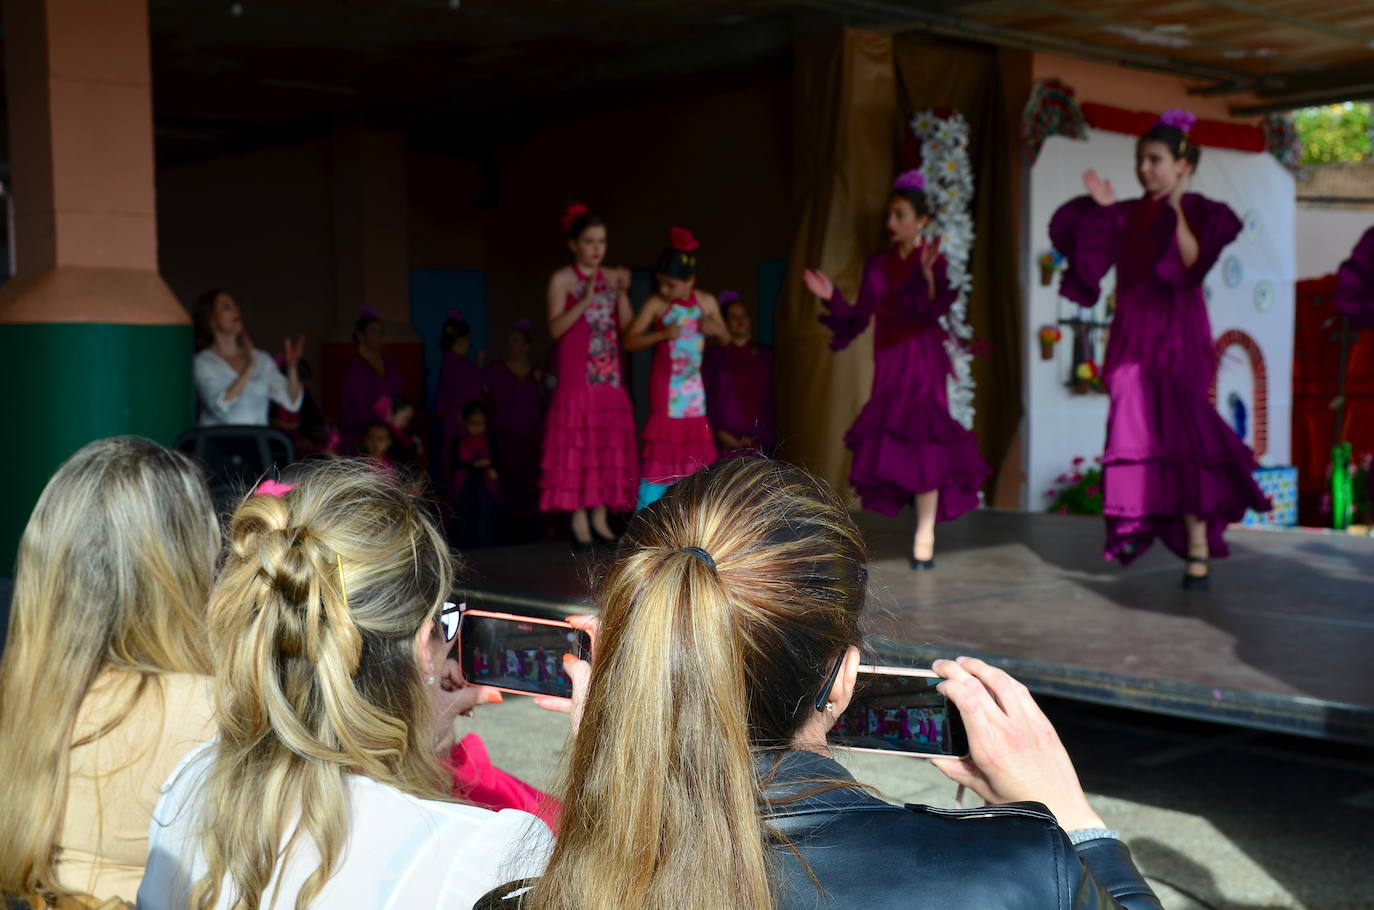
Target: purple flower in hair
[[456, 316], [726, 298], [368, 312], [909, 180], [522, 325], [1179, 119]]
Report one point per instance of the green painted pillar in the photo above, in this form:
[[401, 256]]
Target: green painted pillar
[[92, 342]]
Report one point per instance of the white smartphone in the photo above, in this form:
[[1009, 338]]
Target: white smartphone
[[897, 710]]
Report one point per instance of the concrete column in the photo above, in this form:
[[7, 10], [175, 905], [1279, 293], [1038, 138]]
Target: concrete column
[[93, 342]]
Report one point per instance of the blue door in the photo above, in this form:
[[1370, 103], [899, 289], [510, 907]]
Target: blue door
[[433, 294]]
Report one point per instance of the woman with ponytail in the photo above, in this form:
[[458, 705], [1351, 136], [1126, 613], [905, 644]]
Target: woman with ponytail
[[700, 775], [1172, 468], [330, 628], [104, 682]]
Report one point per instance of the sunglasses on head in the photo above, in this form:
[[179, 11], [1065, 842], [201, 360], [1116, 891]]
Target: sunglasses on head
[[450, 617]]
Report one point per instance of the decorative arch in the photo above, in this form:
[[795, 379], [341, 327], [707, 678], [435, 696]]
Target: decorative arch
[[1237, 338]]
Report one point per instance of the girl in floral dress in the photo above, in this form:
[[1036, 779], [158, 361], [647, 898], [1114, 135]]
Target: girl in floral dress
[[589, 463], [675, 321]]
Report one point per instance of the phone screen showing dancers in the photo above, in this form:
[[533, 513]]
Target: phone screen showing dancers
[[521, 654], [895, 709]]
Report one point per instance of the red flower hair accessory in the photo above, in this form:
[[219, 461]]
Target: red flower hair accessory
[[574, 212], [681, 239]]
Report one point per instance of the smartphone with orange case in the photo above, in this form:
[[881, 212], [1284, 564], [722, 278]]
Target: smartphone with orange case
[[519, 654], [896, 710]]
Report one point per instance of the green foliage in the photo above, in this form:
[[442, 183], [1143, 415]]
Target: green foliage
[[1077, 491], [1334, 132]]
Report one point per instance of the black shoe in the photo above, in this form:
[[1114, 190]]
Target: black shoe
[[1196, 582], [582, 546], [922, 565]]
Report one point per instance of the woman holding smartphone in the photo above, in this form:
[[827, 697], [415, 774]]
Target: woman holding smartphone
[[701, 776]]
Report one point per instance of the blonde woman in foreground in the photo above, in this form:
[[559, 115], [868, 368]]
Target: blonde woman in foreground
[[333, 689], [700, 775], [103, 684]]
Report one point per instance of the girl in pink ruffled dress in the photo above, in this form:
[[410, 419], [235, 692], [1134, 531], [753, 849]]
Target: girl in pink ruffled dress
[[1172, 469], [675, 321], [589, 463]]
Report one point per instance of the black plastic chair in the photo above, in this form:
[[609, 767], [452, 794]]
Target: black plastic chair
[[236, 457]]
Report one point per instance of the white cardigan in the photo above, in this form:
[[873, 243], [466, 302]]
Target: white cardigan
[[214, 377]]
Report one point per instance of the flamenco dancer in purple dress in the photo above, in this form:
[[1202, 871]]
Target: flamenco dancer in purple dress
[[1355, 284], [906, 445], [1172, 468]]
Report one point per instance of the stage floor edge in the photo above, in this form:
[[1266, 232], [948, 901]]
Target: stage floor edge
[[1282, 642]]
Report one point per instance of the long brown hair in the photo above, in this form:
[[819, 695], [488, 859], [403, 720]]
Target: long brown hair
[[315, 618], [114, 571], [733, 597]]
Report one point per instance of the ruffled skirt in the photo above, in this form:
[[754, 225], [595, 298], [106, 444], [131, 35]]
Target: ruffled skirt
[[589, 450], [1169, 454], [675, 447]]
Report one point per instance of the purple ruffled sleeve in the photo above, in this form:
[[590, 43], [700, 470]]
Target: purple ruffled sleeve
[[1213, 224], [1355, 284], [914, 297], [847, 321], [1086, 235]]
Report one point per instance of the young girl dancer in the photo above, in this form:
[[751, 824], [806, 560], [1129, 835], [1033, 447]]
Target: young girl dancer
[[589, 436], [739, 386], [1172, 468], [677, 438], [905, 443]]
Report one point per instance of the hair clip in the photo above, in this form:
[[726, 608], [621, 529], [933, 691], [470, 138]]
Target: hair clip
[[343, 585], [271, 487]]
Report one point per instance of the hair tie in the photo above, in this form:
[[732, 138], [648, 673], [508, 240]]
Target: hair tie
[[700, 554]]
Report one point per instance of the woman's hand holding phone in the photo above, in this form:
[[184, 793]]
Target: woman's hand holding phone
[[580, 671], [454, 697], [1014, 752]]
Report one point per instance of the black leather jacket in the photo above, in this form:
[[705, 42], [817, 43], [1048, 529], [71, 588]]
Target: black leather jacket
[[866, 853], [870, 855]]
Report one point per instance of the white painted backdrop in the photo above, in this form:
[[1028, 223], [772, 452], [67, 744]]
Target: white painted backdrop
[[1061, 425]]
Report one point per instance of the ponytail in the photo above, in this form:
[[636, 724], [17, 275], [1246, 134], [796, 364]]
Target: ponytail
[[718, 625]]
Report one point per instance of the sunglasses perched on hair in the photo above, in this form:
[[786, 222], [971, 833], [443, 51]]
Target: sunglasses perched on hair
[[449, 619]]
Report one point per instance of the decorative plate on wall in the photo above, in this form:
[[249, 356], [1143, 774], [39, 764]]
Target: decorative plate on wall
[[1253, 225], [1232, 272], [1264, 296]]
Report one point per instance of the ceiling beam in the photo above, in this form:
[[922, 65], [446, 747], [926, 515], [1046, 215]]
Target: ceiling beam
[[1347, 83], [901, 16], [1331, 31]]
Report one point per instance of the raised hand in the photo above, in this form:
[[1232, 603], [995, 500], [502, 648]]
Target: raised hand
[[620, 278], [1101, 190], [819, 284], [294, 348], [930, 254], [1176, 194]]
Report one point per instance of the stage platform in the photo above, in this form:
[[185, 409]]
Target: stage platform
[[1283, 641]]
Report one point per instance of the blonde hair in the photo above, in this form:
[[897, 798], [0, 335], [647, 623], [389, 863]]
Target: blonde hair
[[113, 571], [315, 620], [698, 668]]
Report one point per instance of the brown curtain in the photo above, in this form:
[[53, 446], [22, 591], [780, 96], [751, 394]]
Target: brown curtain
[[968, 78], [855, 95], [846, 143]]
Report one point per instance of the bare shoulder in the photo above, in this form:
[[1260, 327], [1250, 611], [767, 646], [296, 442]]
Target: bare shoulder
[[563, 278]]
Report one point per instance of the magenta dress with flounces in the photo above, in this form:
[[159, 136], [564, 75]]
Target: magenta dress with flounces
[[1168, 453], [589, 432], [904, 440], [1355, 284], [677, 438]]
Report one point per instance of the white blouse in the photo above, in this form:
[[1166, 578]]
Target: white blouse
[[401, 852], [214, 376]]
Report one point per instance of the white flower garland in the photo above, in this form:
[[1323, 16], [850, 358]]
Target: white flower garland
[[949, 187]]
